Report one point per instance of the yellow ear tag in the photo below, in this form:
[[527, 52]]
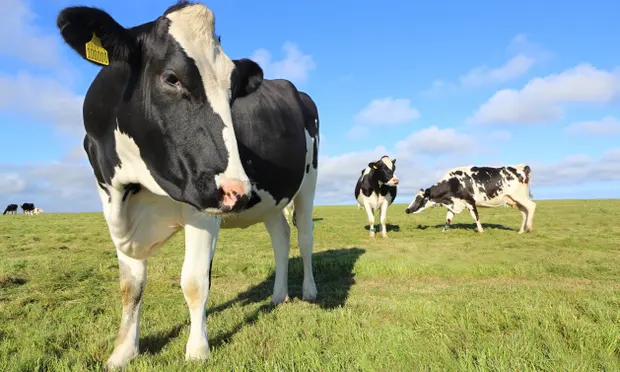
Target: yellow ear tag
[[95, 52]]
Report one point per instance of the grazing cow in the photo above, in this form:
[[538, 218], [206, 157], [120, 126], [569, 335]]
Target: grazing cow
[[38, 211], [28, 208], [179, 136], [472, 187], [10, 209], [376, 189]]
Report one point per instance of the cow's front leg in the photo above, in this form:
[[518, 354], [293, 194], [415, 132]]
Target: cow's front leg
[[371, 217], [132, 282], [383, 219], [201, 232], [474, 214], [449, 219], [280, 234]]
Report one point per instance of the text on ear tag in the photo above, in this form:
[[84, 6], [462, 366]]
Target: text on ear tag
[[95, 52]]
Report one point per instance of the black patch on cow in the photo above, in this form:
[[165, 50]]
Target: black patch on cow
[[10, 208], [26, 207], [270, 125], [134, 188], [490, 178], [307, 168], [312, 125], [178, 6], [515, 173]]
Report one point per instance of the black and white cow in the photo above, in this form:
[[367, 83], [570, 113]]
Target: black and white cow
[[28, 208], [10, 209], [181, 136], [376, 190], [471, 187]]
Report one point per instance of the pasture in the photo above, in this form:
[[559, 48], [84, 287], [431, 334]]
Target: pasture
[[420, 300]]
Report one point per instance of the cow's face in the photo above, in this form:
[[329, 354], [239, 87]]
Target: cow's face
[[385, 171], [420, 202], [179, 86]]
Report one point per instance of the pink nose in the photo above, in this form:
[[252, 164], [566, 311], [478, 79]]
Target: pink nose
[[232, 191], [395, 180]]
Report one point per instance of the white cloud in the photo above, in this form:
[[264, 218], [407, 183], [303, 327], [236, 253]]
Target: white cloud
[[514, 68], [526, 55], [434, 141], [388, 111], [608, 126], [543, 99], [42, 98], [295, 66], [11, 183], [577, 169], [19, 38]]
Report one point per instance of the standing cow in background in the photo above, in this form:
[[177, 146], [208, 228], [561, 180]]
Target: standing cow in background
[[179, 136], [472, 187], [376, 189], [28, 208], [10, 209]]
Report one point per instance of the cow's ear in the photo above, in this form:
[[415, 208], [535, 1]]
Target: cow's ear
[[372, 165], [394, 161], [247, 78], [95, 35]]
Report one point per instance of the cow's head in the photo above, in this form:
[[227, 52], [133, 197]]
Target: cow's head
[[421, 201], [385, 170], [178, 87]]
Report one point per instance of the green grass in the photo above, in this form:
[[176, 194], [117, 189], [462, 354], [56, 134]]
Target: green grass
[[421, 300]]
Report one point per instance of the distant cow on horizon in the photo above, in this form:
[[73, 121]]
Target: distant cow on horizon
[[10, 209], [28, 208]]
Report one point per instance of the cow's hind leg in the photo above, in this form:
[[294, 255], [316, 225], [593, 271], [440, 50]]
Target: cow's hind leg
[[527, 208], [280, 233], [201, 233], [304, 204], [132, 283]]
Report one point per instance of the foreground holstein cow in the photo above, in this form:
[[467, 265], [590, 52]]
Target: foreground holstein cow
[[181, 136], [472, 187], [28, 208], [376, 189], [10, 209]]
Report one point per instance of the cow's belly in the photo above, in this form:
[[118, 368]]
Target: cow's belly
[[491, 203], [374, 200]]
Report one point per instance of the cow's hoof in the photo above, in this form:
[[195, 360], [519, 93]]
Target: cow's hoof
[[309, 292], [279, 300], [520, 232], [119, 360], [197, 353]]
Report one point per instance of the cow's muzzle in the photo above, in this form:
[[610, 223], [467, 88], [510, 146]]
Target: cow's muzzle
[[393, 182], [234, 195]]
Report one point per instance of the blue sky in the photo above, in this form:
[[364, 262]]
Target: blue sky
[[435, 85]]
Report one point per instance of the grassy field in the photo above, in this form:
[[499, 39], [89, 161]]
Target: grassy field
[[420, 300]]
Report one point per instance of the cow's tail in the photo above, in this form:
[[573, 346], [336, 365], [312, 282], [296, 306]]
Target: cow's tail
[[528, 174]]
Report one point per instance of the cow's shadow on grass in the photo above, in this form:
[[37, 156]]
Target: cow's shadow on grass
[[388, 227], [333, 274], [468, 226]]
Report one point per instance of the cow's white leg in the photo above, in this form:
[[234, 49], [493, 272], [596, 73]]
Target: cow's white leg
[[474, 214], [371, 217], [132, 283], [201, 233], [280, 234], [449, 219], [383, 219], [523, 218], [304, 203]]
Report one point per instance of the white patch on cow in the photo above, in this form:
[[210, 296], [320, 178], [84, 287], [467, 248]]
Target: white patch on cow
[[132, 168], [387, 161], [193, 27]]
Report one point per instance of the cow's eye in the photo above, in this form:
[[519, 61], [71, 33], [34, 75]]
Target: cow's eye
[[171, 79]]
